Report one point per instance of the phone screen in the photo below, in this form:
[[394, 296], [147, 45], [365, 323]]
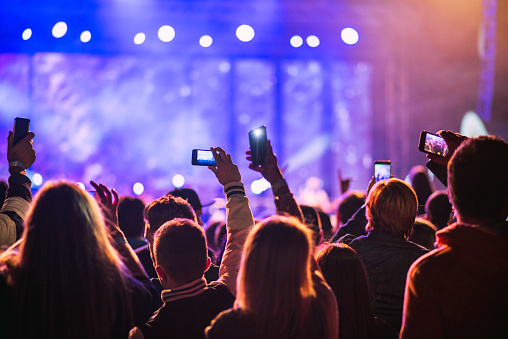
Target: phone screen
[[21, 128], [382, 170], [433, 144], [202, 157], [258, 139]]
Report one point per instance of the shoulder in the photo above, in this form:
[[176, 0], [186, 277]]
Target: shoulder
[[228, 324]]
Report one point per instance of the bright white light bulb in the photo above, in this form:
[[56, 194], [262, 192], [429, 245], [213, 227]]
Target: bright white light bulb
[[139, 38], [296, 41], [245, 33], [59, 29], [138, 188], [206, 41], [178, 180], [349, 36], [37, 179], [313, 41], [85, 36], [27, 34], [166, 33]]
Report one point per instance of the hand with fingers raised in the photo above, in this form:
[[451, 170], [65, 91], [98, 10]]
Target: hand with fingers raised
[[269, 170], [108, 201], [225, 170]]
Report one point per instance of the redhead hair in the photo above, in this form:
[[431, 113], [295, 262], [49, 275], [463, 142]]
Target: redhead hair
[[68, 280], [391, 207], [275, 281]]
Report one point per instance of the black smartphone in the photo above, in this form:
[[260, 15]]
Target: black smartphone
[[440, 171], [432, 144], [382, 170], [21, 128], [257, 139], [202, 157]]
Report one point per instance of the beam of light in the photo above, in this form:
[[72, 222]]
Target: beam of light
[[205, 41], [138, 188], [85, 36], [178, 180], [139, 38], [313, 41], [310, 153], [259, 186], [472, 126]]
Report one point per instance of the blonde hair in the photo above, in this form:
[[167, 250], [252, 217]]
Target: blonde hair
[[68, 280], [275, 281], [391, 207]]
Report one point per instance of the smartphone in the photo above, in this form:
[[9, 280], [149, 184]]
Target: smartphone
[[432, 144], [257, 139], [382, 170], [439, 171], [21, 128], [202, 157]]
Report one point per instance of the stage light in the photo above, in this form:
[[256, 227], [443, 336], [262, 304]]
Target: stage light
[[206, 41], [349, 36], [85, 36], [178, 180], [312, 41], [37, 179], [81, 185], [166, 33], [245, 33], [259, 186], [138, 188], [296, 41], [139, 38], [59, 29], [27, 34]]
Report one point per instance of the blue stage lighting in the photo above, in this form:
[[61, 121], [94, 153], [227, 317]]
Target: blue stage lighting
[[206, 41], [166, 33], [139, 38], [85, 36], [296, 41], [313, 41], [59, 29], [245, 33], [27, 34]]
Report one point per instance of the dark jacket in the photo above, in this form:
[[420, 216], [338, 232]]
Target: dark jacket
[[387, 259]]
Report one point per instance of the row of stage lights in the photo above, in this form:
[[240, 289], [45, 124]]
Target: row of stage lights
[[167, 33], [178, 181]]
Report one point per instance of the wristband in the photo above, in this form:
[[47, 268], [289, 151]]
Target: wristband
[[17, 164]]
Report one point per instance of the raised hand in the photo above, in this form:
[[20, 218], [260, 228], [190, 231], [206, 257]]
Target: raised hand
[[453, 140], [22, 151], [225, 170], [108, 201], [270, 170]]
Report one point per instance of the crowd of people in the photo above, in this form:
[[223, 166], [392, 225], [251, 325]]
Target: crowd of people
[[404, 260]]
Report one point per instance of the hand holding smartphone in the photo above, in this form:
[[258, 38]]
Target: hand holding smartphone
[[432, 144], [382, 170], [21, 129], [202, 157], [258, 140]]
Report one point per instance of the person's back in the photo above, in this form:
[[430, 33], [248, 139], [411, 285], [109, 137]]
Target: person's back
[[460, 289]]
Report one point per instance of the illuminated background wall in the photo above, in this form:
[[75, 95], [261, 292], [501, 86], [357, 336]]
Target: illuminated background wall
[[120, 113]]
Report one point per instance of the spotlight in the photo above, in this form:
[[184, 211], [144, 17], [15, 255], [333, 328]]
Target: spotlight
[[206, 41], [37, 179], [312, 41], [139, 38], [85, 36], [178, 180], [59, 29], [138, 188], [349, 36], [81, 185], [166, 33], [245, 33], [27, 34], [259, 186], [296, 41]]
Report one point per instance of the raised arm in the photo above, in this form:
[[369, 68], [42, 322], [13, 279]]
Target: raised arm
[[18, 198], [285, 202], [239, 219]]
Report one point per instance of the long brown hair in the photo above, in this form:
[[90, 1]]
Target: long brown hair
[[68, 281], [275, 282], [344, 272]]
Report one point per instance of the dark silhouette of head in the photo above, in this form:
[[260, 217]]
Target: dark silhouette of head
[[478, 180], [130, 216], [350, 202], [423, 234], [313, 222], [439, 209], [420, 181]]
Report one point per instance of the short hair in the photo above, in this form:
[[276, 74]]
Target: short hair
[[130, 216], [180, 248], [312, 221], [438, 209], [391, 207], [478, 179], [349, 203], [167, 208], [423, 233]]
